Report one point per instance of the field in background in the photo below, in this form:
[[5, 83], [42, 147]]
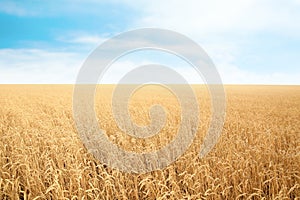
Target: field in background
[[257, 156]]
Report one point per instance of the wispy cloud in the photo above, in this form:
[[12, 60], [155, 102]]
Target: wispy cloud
[[38, 66], [232, 32], [13, 8], [82, 38], [198, 18]]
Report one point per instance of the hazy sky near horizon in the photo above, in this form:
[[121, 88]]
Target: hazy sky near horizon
[[250, 41]]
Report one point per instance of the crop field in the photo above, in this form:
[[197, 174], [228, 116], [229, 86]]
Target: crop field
[[257, 155]]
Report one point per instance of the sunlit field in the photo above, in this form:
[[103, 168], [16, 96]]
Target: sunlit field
[[257, 156]]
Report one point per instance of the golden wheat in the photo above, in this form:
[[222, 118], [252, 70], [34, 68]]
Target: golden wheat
[[257, 156]]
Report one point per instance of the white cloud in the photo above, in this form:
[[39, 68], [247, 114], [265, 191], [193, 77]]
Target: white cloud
[[226, 28], [233, 75], [11, 7], [85, 39], [38, 66], [202, 21], [120, 68], [88, 40], [198, 18]]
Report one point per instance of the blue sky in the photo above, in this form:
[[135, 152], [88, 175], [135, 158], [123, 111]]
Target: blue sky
[[250, 42]]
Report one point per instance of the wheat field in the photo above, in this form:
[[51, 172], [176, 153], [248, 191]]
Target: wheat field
[[257, 156]]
